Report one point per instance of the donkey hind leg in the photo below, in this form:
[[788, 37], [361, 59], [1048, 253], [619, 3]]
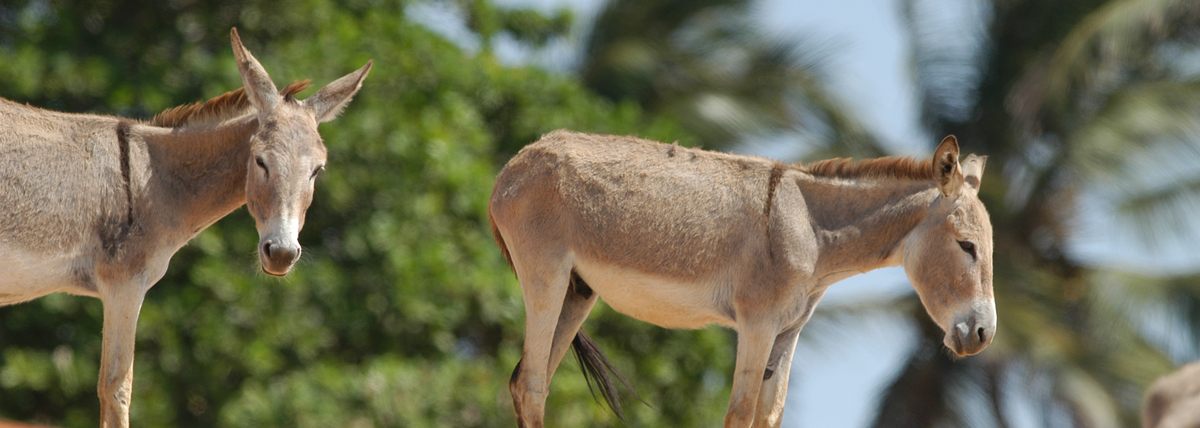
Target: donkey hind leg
[[597, 371], [544, 287], [775, 380], [576, 307], [753, 350], [115, 387]]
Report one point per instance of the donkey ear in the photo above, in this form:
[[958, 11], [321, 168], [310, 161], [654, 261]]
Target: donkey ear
[[946, 169], [257, 83], [330, 100], [973, 170]]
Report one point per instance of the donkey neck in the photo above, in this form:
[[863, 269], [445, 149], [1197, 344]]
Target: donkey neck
[[861, 224], [203, 170]]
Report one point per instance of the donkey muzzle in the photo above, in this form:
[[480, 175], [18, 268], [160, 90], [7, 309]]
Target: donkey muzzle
[[971, 335], [278, 255]]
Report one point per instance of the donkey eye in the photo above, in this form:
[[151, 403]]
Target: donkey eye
[[261, 163], [969, 248], [317, 172]]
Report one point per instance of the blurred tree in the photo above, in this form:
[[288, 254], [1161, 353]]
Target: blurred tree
[[1067, 97], [402, 312], [706, 64]]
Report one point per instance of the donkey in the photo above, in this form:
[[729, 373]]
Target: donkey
[[1173, 401], [97, 205], [684, 238]]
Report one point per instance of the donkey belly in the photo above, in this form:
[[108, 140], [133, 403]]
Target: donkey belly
[[25, 276], [656, 299]]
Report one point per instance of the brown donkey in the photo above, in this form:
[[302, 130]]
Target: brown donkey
[[97, 205], [683, 238]]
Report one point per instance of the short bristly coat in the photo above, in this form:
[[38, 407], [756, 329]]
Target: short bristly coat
[[684, 238], [97, 205]]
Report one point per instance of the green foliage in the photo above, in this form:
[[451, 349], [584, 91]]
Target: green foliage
[[402, 312], [526, 25]]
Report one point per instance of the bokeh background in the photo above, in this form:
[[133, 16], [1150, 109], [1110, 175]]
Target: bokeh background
[[402, 312]]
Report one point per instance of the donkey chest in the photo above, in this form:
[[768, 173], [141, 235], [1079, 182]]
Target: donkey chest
[[656, 299]]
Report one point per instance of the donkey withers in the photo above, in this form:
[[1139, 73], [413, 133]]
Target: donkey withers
[[97, 205], [683, 238]]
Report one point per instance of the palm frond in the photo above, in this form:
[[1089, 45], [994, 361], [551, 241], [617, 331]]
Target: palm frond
[[707, 64], [1142, 146], [1106, 43], [1133, 119], [920, 395], [1165, 308], [946, 57]]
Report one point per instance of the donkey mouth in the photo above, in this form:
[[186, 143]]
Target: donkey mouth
[[960, 352], [967, 353], [275, 269], [275, 274], [955, 343]]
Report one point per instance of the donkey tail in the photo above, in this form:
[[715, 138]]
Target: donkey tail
[[499, 239], [599, 373]]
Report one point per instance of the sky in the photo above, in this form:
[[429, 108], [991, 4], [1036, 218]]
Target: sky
[[837, 377]]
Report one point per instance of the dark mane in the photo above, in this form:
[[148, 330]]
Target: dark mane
[[218, 108], [901, 167]]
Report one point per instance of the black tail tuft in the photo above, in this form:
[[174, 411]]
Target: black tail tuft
[[599, 373]]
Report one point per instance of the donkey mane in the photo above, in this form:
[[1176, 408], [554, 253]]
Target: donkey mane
[[901, 167], [218, 108]]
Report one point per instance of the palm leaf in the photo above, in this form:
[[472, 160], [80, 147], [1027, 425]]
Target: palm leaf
[[1111, 40], [1143, 146], [708, 65]]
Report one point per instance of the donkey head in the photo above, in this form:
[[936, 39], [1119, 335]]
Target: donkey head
[[948, 257], [286, 155]]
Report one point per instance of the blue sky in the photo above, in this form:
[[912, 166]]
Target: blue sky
[[835, 383]]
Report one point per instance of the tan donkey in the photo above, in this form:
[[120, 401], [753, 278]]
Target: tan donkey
[[684, 238], [97, 205], [1173, 401]]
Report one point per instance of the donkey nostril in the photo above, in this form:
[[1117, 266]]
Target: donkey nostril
[[267, 249], [982, 335]]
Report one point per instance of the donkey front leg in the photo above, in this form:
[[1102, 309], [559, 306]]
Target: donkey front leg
[[753, 350], [121, 309], [775, 380]]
